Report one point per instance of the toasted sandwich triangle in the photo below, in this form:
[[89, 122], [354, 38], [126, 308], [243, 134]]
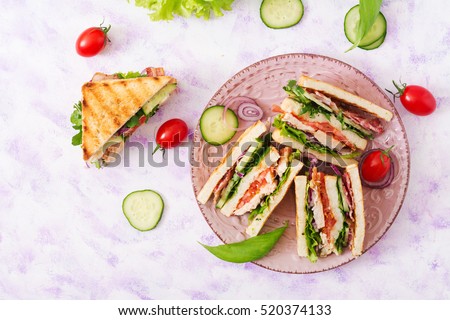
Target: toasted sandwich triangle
[[109, 104]]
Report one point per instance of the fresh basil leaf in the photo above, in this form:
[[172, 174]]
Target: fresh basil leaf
[[248, 250], [368, 12]]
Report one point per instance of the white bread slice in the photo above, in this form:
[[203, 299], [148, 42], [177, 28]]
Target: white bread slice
[[258, 222], [333, 197], [360, 222], [300, 217], [271, 158], [345, 96], [328, 140], [341, 162], [230, 159]]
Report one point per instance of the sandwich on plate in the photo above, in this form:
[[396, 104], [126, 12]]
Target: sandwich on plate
[[113, 107], [328, 122], [329, 213], [253, 177]]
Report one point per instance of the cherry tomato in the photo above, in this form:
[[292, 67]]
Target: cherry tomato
[[92, 40], [170, 134], [376, 165], [415, 99]]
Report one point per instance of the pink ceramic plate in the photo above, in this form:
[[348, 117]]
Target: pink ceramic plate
[[264, 81]]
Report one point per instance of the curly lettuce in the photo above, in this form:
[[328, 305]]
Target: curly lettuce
[[166, 9]]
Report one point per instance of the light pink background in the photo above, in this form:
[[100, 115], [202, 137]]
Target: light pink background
[[62, 231]]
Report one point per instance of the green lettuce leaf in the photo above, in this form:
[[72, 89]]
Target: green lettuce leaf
[[166, 9], [130, 75], [341, 242], [266, 201], [313, 239], [298, 94]]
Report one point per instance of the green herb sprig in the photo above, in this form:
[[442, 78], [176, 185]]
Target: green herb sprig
[[76, 120]]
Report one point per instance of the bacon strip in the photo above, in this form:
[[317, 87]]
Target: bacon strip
[[373, 124], [348, 194], [154, 72]]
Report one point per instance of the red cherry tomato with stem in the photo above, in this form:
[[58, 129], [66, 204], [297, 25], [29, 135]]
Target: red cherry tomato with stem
[[376, 165], [170, 134], [415, 99], [92, 41]]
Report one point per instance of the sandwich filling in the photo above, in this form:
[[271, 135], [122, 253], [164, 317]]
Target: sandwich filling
[[314, 103], [279, 175], [228, 185], [296, 130], [329, 219]]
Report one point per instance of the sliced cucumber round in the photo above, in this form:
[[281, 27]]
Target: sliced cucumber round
[[143, 209], [214, 128], [279, 14], [376, 32], [374, 45]]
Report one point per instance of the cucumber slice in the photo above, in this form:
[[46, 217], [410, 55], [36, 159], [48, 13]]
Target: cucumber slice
[[342, 197], [374, 45], [376, 32], [143, 209], [158, 98], [216, 130], [279, 14]]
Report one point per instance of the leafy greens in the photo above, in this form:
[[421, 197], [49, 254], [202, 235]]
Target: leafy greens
[[166, 9], [76, 120]]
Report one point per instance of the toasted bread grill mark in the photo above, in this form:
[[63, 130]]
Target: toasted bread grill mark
[[109, 104]]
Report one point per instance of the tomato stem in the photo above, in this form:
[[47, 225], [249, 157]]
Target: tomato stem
[[105, 30], [400, 89], [386, 153], [158, 147]]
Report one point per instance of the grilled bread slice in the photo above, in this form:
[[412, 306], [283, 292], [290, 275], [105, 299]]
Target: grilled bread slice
[[109, 104]]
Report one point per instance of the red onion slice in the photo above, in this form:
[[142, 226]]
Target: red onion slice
[[386, 181], [234, 104], [335, 169], [249, 112]]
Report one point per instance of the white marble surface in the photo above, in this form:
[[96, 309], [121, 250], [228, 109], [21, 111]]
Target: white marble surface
[[62, 231]]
